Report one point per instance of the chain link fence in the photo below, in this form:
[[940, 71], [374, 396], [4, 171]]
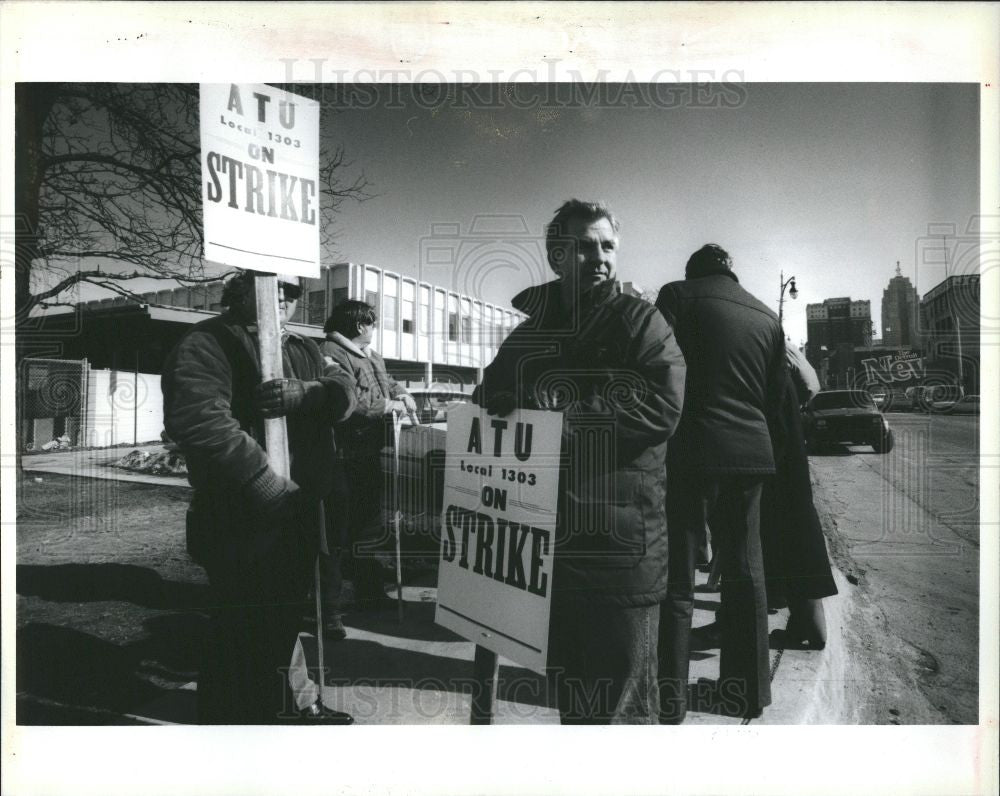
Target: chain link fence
[[51, 402]]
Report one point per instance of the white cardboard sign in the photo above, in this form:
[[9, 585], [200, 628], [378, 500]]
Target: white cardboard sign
[[498, 530], [260, 178]]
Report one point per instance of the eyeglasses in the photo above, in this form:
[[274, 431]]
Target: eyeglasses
[[291, 292]]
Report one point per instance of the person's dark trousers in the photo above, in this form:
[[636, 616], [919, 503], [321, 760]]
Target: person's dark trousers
[[744, 666], [733, 502], [258, 591], [354, 513], [602, 663], [366, 482]]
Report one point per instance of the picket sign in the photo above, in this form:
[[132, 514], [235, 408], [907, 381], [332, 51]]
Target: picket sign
[[497, 539], [263, 215]]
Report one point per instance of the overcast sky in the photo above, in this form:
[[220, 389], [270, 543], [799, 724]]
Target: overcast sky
[[831, 182]]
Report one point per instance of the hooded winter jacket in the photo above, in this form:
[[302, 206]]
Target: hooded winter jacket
[[363, 433], [208, 384], [614, 370]]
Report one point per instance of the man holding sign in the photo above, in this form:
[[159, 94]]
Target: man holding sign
[[610, 364], [255, 531]]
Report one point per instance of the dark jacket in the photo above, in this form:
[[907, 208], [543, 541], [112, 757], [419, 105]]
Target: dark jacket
[[735, 354], [616, 373], [208, 383], [796, 563], [363, 433]]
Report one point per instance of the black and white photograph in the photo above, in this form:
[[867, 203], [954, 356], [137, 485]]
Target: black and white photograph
[[371, 383]]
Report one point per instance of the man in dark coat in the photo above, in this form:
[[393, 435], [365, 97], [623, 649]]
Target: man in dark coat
[[717, 464], [360, 440], [255, 531], [609, 363]]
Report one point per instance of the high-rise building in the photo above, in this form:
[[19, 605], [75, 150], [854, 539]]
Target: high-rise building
[[837, 321], [900, 313], [949, 317], [834, 328]]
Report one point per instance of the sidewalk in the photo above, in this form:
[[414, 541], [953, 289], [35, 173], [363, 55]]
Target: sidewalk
[[417, 672], [96, 463]]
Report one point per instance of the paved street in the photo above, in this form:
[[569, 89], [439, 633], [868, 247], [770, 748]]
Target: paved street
[[907, 531]]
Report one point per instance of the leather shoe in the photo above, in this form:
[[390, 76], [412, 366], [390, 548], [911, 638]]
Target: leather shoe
[[335, 629], [318, 713]]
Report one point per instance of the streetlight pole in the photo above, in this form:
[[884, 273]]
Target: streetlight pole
[[955, 318], [793, 293]]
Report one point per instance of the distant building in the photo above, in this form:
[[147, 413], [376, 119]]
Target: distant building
[[633, 289], [887, 372], [900, 313], [107, 354], [426, 333], [834, 328], [949, 317]]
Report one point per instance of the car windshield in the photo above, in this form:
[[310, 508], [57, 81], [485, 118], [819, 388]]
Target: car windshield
[[844, 399]]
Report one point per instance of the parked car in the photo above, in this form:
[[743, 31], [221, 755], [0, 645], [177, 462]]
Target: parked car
[[935, 397], [917, 398], [433, 403], [888, 399], [969, 405], [847, 416]]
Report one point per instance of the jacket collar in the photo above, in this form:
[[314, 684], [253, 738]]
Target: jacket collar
[[344, 342], [715, 272], [546, 299]]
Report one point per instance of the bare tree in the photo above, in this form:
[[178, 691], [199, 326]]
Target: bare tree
[[110, 173]]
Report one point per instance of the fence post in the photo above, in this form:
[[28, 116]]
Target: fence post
[[135, 401]]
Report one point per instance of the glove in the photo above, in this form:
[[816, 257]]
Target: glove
[[281, 397], [501, 403], [270, 494], [409, 403], [399, 407]]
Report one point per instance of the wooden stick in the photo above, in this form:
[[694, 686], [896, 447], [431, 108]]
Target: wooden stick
[[321, 675], [271, 367], [275, 430], [485, 668], [397, 422]]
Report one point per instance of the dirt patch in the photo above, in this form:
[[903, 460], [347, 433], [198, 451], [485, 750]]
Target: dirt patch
[[111, 611], [110, 608]]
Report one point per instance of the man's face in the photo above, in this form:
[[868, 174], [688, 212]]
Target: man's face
[[587, 257], [288, 297]]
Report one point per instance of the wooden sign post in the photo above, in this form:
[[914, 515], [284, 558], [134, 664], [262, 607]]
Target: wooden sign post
[[239, 126], [269, 334], [485, 671], [275, 430], [397, 426]]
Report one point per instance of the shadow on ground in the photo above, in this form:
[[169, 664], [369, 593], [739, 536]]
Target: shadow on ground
[[98, 582], [65, 676]]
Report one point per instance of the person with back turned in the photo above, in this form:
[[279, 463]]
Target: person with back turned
[[717, 464]]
